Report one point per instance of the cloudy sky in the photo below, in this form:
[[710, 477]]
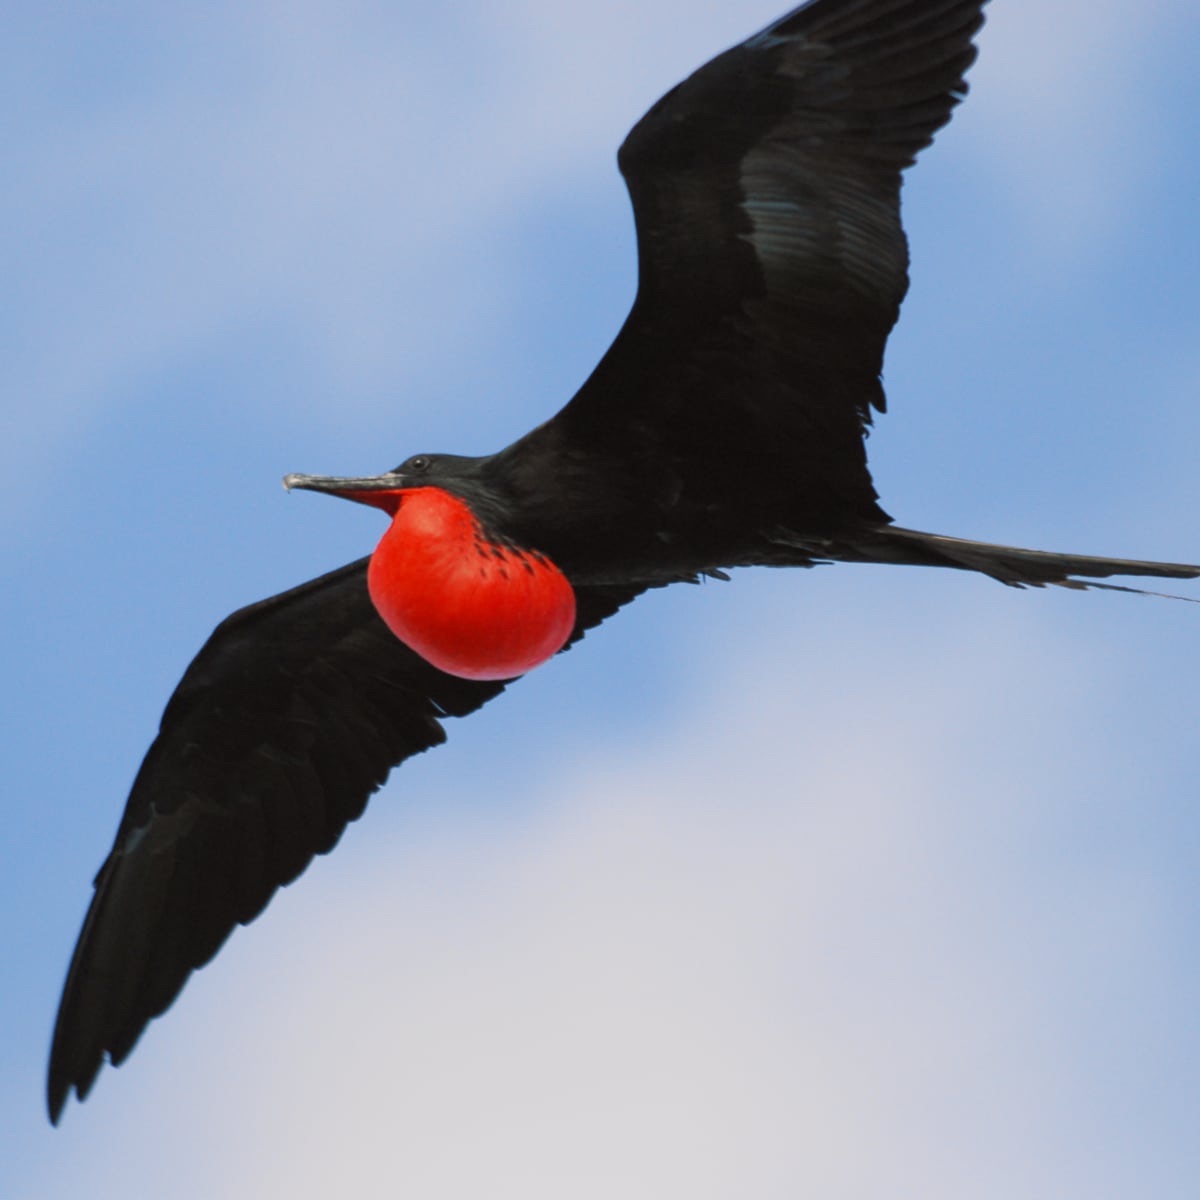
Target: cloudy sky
[[857, 882]]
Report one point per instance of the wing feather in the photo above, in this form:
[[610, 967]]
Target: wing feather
[[288, 719], [771, 257]]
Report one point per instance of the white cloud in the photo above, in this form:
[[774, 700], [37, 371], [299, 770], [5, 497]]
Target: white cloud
[[339, 178], [752, 959]]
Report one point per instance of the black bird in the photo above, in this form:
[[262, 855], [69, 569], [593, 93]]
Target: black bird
[[723, 428]]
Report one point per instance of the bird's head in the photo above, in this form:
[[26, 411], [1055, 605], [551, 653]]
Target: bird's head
[[455, 473]]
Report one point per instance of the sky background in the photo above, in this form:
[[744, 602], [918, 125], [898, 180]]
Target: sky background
[[857, 882]]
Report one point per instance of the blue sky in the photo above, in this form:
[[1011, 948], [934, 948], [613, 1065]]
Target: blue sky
[[858, 882]]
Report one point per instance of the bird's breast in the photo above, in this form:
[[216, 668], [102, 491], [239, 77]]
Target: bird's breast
[[469, 604]]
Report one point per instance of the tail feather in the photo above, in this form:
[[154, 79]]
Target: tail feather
[[1009, 564]]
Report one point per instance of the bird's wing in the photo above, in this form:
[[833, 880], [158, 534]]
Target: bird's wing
[[771, 258], [281, 728]]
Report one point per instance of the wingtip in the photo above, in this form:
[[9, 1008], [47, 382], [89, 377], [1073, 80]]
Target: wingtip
[[58, 1082], [56, 1099], [60, 1085], [68, 1071]]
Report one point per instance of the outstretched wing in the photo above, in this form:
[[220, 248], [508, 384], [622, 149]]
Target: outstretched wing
[[771, 258], [281, 728]]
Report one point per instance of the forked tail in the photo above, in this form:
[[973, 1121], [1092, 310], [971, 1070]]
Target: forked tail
[[1008, 564]]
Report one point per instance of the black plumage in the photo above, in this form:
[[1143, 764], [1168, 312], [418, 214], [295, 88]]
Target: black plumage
[[724, 427]]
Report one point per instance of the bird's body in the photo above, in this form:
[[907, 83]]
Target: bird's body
[[724, 428]]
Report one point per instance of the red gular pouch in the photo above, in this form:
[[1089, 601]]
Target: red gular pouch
[[469, 605]]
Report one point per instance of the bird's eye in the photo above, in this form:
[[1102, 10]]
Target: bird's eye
[[419, 462]]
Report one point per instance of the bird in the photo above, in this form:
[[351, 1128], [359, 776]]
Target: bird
[[725, 427]]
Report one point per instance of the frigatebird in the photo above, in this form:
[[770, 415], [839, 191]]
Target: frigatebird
[[723, 428]]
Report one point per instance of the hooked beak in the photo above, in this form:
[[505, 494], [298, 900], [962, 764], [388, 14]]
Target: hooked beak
[[379, 491]]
